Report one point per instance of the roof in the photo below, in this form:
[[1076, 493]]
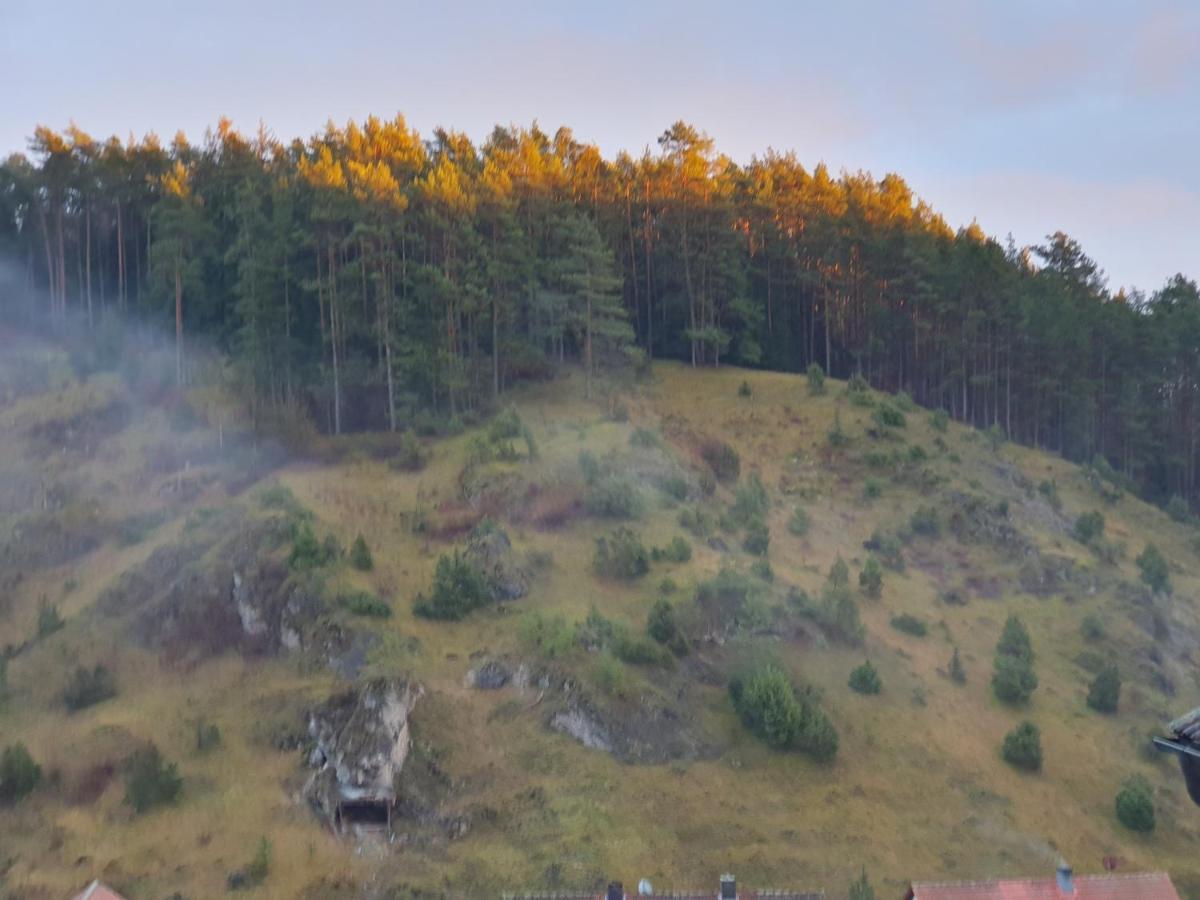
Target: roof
[[743, 894], [1150, 886], [97, 891]]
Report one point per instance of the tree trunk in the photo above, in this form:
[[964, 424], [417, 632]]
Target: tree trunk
[[178, 321], [88, 259]]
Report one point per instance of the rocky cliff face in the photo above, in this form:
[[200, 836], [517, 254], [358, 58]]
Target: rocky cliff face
[[216, 591], [362, 739]]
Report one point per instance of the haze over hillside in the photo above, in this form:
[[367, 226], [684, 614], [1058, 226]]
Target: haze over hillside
[[391, 515], [584, 600]]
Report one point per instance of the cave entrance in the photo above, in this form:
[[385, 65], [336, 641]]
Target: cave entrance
[[373, 815]]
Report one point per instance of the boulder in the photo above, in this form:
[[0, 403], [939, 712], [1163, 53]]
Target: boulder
[[490, 676]]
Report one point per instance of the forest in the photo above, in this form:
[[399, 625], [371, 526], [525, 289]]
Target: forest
[[371, 279]]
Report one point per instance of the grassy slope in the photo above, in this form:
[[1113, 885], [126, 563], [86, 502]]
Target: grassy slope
[[917, 791]]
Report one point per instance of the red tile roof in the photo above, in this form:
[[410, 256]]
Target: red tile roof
[[97, 891], [1151, 886]]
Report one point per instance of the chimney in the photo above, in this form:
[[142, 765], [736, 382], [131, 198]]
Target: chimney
[[616, 891], [1065, 878], [728, 887]]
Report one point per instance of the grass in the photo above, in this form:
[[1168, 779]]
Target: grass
[[774, 819]]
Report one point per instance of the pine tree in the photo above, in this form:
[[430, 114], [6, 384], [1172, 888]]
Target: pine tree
[[590, 276]]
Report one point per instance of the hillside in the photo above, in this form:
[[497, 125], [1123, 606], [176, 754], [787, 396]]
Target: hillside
[[127, 505]]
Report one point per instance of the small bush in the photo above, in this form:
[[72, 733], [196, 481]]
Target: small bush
[[744, 389], [696, 521], [1013, 681], [732, 598], [621, 555], [879, 459], [458, 589], [1022, 747], [150, 780], [644, 437], [609, 675], [799, 522], [589, 466], [133, 530], [360, 603], [1013, 678], [870, 579], [1089, 526], [761, 568], [888, 416], [837, 612], [1154, 570], [1014, 640], [888, 548], [1104, 695], [410, 455], [548, 636], [836, 436], [750, 501], [614, 497], [724, 461], [1135, 805], [1049, 490], [259, 868], [872, 489], [307, 552], [910, 624], [770, 708], [939, 420], [758, 538], [904, 402], [860, 888], [1178, 509], [815, 376], [360, 555], [87, 687], [953, 597], [924, 521], [1092, 628], [660, 622], [640, 651], [675, 487], [19, 774], [957, 673], [858, 390], [679, 551], [995, 436], [865, 679], [208, 736], [49, 620]]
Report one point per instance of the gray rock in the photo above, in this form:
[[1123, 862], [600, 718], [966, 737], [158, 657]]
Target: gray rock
[[490, 550], [362, 740], [491, 676]]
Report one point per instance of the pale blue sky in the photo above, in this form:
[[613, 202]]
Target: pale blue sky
[[1028, 116]]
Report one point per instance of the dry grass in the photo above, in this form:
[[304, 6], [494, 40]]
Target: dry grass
[[918, 789]]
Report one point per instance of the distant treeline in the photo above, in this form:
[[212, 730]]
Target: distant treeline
[[366, 274]]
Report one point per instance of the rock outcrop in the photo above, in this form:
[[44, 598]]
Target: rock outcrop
[[490, 551], [220, 590], [361, 741]]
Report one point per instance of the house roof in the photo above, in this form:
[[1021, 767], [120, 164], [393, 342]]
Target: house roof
[[97, 891], [743, 894], [1150, 886]]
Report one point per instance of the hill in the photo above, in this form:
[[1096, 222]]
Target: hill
[[212, 574]]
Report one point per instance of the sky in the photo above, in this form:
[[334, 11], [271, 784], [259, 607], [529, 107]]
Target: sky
[[1028, 117]]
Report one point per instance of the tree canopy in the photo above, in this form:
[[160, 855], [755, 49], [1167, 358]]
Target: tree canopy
[[369, 273]]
